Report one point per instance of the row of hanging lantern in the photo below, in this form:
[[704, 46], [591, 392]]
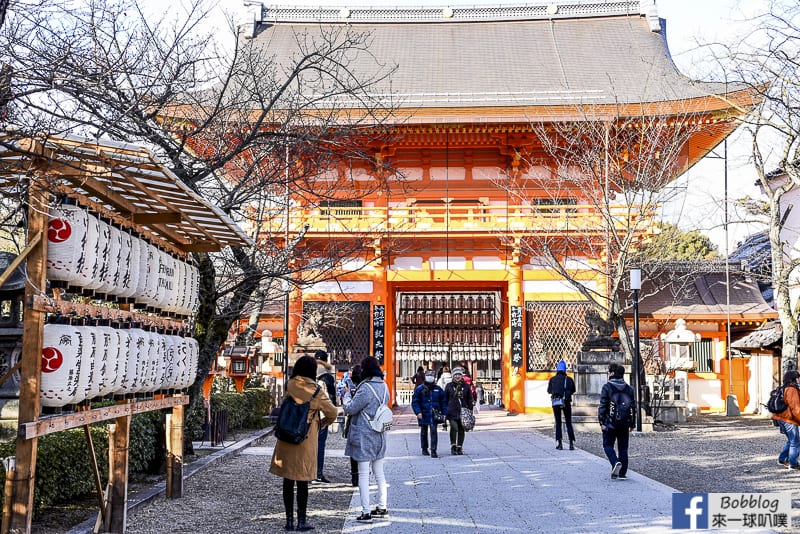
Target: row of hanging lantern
[[86, 252], [447, 353], [432, 301], [438, 336], [448, 318], [81, 363]]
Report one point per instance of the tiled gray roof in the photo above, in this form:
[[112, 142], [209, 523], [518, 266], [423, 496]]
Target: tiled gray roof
[[766, 335], [703, 295], [601, 57]]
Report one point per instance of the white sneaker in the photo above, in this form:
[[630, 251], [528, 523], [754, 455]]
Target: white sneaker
[[615, 471]]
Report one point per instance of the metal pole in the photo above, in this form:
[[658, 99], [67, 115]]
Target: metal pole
[[636, 361], [731, 404], [287, 287]]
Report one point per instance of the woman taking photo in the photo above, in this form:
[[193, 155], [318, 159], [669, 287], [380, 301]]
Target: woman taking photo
[[365, 445]]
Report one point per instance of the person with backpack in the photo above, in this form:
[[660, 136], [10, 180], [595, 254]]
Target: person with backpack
[[789, 420], [430, 406], [561, 388], [364, 444], [297, 463], [327, 381], [459, 395], [617, 415]]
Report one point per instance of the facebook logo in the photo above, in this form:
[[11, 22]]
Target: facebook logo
[[690, 511]]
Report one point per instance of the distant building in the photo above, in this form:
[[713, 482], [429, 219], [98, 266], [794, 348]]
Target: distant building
[[442, 279]]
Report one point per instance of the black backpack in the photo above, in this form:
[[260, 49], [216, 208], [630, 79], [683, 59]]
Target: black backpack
[[292, 425], [776, 404], [621, 409]]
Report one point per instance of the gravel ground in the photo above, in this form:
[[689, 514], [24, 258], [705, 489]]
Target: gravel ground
[[709, 453]]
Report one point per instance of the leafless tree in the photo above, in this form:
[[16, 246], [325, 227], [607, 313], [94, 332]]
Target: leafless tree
[[595, 187], [767, 60], [247, 130]]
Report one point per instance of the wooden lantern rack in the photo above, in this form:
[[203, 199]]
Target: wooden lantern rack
[[124, 183]]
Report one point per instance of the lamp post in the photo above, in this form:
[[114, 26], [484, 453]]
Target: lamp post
[[636, 285]]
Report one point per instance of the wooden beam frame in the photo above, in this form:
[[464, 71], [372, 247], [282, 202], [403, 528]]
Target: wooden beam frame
[[57, 423]]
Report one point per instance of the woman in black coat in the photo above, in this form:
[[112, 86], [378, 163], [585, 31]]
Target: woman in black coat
[[458, 394]]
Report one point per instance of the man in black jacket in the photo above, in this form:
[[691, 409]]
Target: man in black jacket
[[617, 416], [561, 388], [327, 381]]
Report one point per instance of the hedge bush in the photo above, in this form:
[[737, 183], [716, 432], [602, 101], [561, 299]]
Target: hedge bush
[[63, 467]]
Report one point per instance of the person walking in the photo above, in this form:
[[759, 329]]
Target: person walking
[[429, 403], [297, 464], [349, 389], [445, 377], [617, 415], [561, 388], [789, 419], [459, 395], [326, 379], [365, 445]]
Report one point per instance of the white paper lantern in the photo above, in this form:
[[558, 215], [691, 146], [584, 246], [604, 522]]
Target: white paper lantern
[[141, 283], [124, 352], [66, 237], [103, 259], [137, 353], [91, 375], [166, 278], [163, 357], [107, 358], [122, 281], [60, 365], [172, 344], [187, 364], [153, 262], [145, 369], [130, 281], [112, 269], [89, 259], [178, 289], [193, 289]]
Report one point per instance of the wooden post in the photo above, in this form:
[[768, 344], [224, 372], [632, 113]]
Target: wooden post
[[175, 453], [31, 360], [118, 440]]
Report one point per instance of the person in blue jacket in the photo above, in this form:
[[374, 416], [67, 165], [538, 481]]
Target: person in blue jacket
[[427, 398]]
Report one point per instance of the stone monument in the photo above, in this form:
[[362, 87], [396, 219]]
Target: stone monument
[[591, 372], [309, 337]]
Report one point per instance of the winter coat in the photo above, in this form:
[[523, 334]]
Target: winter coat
[[791, 396], [427, 397], [299, 462], [604, 411], [327, 379], [458, 395], [445, 379], [363, 443], [562, 386]]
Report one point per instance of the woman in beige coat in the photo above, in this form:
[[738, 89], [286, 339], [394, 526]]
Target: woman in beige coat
[[298, 463]]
